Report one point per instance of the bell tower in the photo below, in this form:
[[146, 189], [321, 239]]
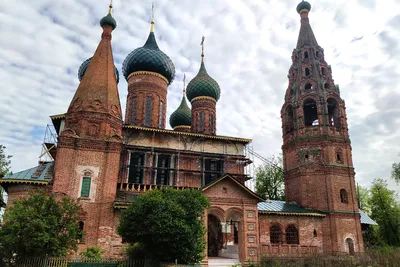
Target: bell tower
[[317, 157]]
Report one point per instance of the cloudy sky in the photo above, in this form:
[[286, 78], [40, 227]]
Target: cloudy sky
[[248, 50]]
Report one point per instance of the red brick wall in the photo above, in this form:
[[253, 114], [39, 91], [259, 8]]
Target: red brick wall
[[139, 88], [208, 107]]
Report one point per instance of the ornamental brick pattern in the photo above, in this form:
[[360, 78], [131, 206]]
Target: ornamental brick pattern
[[317, 157], [147, 100], [204, 116]]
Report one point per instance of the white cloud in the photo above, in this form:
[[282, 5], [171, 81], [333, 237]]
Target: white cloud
[[248, 50]]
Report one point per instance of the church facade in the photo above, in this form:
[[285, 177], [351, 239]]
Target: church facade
[[104, 161]]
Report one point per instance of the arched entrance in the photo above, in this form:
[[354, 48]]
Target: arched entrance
[[214, 236], [350, 246]]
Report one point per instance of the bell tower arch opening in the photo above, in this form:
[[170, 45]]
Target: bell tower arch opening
[[310, 113], [289, 117], [333, 113]]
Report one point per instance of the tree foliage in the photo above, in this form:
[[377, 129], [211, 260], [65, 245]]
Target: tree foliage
[[5, 165], [168, 225], [40, 225], [396, 172], [364, 197], [386, 212], [92, 253], [269, 180]]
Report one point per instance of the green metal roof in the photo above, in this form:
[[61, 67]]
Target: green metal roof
[[41, 174], [282, 207], [108, 20], [149, 58], [203, 85], [182, 116], [303, 5]]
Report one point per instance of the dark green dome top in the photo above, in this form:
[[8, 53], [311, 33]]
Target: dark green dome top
[[85, 64], [303, 5], [108, 20], [182, 116], [203, 85], [149, 58]]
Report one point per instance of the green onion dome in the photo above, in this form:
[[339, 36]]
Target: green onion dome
[[203, 85], [108, 20], [149, 58], [182, 116], [303, 5], [85, 64]]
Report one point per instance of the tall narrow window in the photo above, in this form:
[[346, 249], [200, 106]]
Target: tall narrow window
[[133, 113], [289, 119], [160, 115], [213, 169], [81, 226], [85, 189], [317, 54], [147, 118], [292, 235], [163, 171], [307, 70], [275, 234], [136, 168], [343, 196], [310, 113], [305, 54], [333, 113], [323, 71], [201, 122], [212, 124]]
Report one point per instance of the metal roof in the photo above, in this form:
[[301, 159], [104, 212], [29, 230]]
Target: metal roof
[[365, 219], [284, 208], [43, 173]]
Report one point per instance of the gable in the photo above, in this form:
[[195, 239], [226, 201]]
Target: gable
[[228, 187]]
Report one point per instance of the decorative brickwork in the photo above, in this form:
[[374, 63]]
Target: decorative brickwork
[[204, 115], [316, 147], [146, 103]]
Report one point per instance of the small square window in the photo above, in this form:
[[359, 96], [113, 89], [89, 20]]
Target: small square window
[[252, 252], [250, 214]]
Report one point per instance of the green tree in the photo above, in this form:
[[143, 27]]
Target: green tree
[[167, 224], [396, 172], [364, 197], [92, 253], [269, 180], [40, 225], [386, 212], [5, 165]]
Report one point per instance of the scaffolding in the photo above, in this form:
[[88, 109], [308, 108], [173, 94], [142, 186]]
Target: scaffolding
[[48, 150]]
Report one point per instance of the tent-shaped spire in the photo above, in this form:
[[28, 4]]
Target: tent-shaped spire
[[306, 35], [98, 89]]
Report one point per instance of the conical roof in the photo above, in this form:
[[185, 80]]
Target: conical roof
[[306, 34], [182, 116], [203, 85]]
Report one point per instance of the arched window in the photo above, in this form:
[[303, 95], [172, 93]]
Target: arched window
[[333, 113], [289, 119], [201, 122], [307, 71], [323, 71], [306, 54], [343, 196], [350, 245], [327, 86], [308, 86], [275, 234], [160, 115], [317, 54], [292, 235], [81, 226], [310, 113], [147, 117], [133, 113]]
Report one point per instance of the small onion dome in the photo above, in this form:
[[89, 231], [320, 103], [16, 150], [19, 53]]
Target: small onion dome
[[203, 85], [303, 5], [182, 116], [85, 64], [149, 58], [108, 20]]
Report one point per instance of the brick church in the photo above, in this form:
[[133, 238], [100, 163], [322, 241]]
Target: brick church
[[104, 161]]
